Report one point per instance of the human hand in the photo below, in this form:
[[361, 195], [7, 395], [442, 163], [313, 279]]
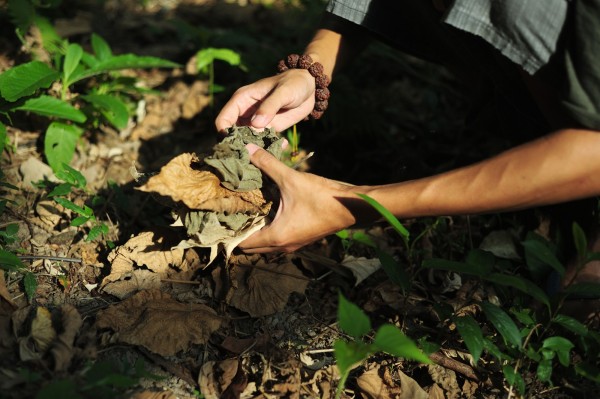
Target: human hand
[[279, 102], [311, 207]]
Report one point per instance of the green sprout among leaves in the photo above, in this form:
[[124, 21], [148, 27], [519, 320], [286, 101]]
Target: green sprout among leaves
[[205, 63], [72, 178], [388, 338]]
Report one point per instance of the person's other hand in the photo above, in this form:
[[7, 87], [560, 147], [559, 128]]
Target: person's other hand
[[278, 102], [311, 207]]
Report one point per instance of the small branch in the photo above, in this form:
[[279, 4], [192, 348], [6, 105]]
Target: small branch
[[454, 365], [44, 257]]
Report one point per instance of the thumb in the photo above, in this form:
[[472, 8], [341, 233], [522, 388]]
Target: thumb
[[267, 163]]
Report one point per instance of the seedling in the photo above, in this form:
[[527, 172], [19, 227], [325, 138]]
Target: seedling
[[526, 342], [205, 63], [26, 87], [72, 178], [388, 338]]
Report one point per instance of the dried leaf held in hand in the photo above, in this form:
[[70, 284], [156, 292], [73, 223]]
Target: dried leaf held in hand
[[184, 180]]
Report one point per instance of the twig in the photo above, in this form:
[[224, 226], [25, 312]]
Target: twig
[[454, 365], [318, 351], [56, 258]]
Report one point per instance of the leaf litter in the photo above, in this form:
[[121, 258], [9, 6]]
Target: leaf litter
[[264, 339]]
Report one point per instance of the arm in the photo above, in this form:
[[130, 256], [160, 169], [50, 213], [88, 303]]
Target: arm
[[282, 100], [560, 167]]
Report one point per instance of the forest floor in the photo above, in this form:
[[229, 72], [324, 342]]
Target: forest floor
[[129, 315]]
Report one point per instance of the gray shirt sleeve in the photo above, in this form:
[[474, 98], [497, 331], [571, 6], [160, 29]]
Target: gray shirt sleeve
[[526, 32]]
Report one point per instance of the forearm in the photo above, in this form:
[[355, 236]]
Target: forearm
[[336, 42], [560, 167]]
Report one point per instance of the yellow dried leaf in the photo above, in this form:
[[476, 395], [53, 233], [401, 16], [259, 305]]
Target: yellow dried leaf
[[184, 180], [42, 331]]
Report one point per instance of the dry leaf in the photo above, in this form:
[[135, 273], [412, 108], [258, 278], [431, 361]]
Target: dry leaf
[[159, 323], [216, 377], [361, 267], [62, 348], [133, 281], [143, 261], [446, 379], [4, 294], [182, 180], [263, 289], [218, 237], [7, 307], [155, 395], [42, 331], [435, 392], [378, 383]]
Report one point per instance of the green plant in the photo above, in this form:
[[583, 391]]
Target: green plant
[[393, 268], [102, 380], [527, 340], [205, 63], [9, 261], [388, 338], [74, 180], [28, 87]]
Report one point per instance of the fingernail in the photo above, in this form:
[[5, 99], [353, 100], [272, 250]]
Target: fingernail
[[259, 120], [252, 148], [284, 144]]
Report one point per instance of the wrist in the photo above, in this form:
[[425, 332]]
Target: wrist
[[317, 71]]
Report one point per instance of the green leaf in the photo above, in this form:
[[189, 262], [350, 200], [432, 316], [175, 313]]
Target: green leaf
[[391, 340], [471, 333], [72, 176], [59, 388], [30, 283], [208, 55], [3, 138], [51, 41], [503, 323], [61, 190], [541, 252], [101, 48], [561, 346], [520, 284], [26, 79], [111, 107], [83, 211], [391, 219], [79, 220], [53, 107], [514, 379], [544, 370], [349, 354], [59, 144], [96, 232], [591, 290], [580, 240], [21, 14], [394, 270], [9, 261], [363, 239], [352, 320], [126, 61], [71, 62], [589, 371], [571, 324]]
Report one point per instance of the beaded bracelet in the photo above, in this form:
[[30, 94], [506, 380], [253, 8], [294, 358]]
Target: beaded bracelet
[[295, 61]]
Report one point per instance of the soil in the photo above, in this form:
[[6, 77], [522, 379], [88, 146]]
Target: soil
[[250, 327]]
